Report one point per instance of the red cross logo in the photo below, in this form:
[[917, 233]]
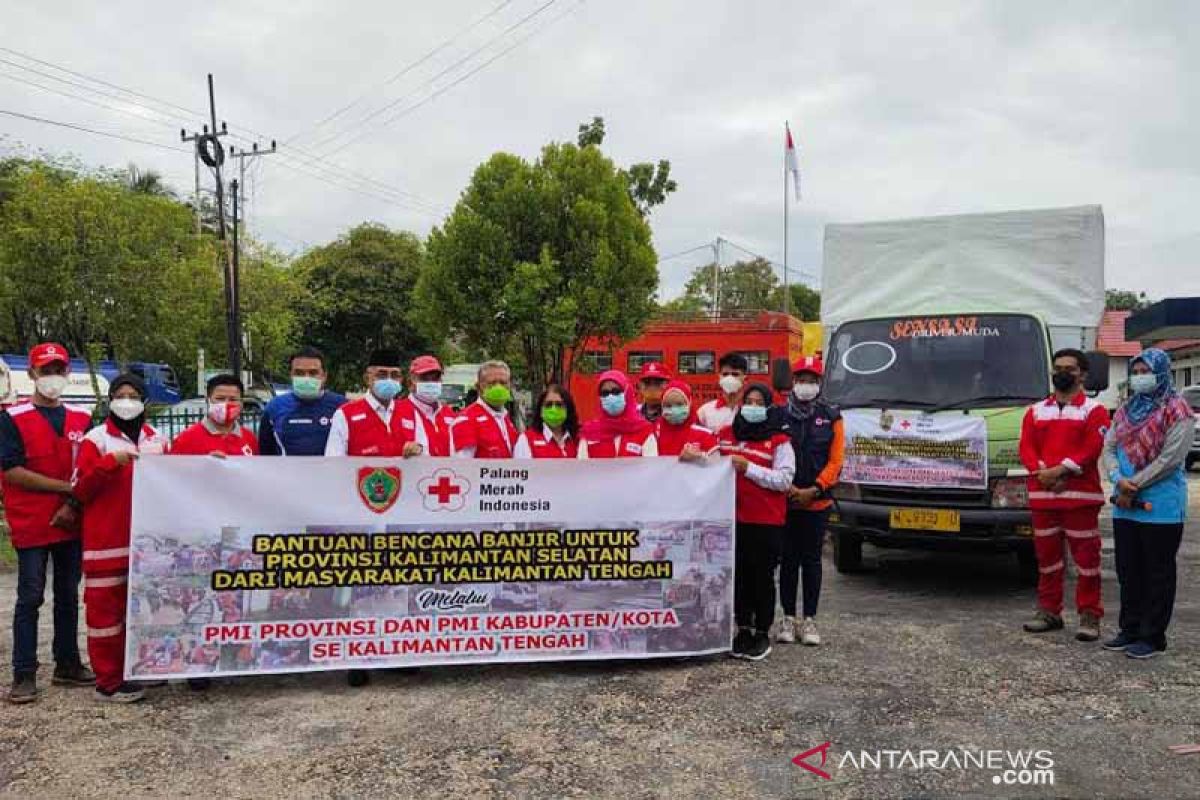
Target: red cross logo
[[444, 490], [801, 760], [906, 424]]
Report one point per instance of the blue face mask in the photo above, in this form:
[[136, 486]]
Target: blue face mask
[[754, 413], [385, 389], [429, 391], [613, 404], [1144, 383], [676, 415]]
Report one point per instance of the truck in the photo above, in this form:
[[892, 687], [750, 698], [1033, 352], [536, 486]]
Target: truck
[[689, 346], [940, 335], [162, 385]]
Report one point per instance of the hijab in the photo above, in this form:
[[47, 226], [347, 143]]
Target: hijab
[[745, 431], [605, 428], [672, 438], [1141, 424], [130, 427]]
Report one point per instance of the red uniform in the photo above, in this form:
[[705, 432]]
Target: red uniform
[[432, 433], [673, 438], [367, 435], [628, 446], [46, 453], [756, 504], [542, 444], [479, 427], [106, 490], [201, 440], [1071, 436]]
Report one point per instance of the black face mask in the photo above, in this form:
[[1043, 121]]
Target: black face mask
[[1063, 381]]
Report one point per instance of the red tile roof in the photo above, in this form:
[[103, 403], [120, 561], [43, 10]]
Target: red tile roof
[[1176, 344], [1111, 337]]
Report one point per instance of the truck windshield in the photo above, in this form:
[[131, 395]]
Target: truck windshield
[[969, 361]]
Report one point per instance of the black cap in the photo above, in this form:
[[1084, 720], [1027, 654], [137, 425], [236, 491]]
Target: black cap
[[127, 379], [384, 357]]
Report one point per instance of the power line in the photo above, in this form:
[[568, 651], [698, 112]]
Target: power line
[[89, 101], [411, 66], [45, 121], [736, 246], [706, 246], [389, 106]]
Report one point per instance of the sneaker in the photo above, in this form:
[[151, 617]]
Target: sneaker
[[742, 642], [760, 647], [125, 693], [786, 632], [1143, 650], [1089, 628], [73, 675], [1119, 642], [358, 678], [24, 689], [808, 632], [1044, 622]]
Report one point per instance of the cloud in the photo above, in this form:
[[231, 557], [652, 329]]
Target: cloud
[[899, 109]]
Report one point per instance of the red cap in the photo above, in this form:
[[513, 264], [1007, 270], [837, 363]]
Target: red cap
[[812, 364], [423, 364], [47, 353], [655, 370]]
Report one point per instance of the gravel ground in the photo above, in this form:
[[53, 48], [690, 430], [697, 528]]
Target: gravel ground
[[924, 651]]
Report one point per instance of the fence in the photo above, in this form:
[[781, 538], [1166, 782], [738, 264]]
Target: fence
[[172, 421]]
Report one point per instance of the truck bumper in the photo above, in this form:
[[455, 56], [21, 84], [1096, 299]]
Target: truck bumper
[[1001, 529]]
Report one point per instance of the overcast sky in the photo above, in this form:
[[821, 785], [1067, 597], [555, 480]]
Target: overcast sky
[[898, 109]]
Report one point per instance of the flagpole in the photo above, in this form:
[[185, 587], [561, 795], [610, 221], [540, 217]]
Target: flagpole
[[787, 293]]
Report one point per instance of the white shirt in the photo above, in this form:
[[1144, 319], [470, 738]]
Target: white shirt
[[716, 418], [522, 449], [338, 443], [783, 468]]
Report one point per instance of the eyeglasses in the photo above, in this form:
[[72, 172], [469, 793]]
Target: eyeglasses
[[611, 392]]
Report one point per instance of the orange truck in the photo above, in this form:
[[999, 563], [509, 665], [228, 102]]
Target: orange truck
[[690, 346]]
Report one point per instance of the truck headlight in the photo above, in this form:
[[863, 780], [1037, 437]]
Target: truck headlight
[[1010, 493], [847, 491]]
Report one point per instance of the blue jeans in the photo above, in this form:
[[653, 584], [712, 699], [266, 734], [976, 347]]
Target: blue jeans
[[31, 591]]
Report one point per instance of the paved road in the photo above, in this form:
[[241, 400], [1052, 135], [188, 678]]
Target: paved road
[[924, 652]]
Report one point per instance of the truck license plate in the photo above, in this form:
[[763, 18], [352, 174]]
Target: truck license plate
[[926, 519]]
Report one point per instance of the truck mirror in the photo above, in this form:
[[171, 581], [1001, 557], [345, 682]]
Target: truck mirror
[[1097, 379], [781, 375]]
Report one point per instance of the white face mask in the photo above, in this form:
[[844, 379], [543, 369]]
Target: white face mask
[[51, 387], [127, 408], [730, 384], [806, 392]]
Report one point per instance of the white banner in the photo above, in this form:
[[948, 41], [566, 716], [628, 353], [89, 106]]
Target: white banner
[[262, 565], [911, 448]]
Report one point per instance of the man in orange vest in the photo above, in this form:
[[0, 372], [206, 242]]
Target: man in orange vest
[[39, 440]]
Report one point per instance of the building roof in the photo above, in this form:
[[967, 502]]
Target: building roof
[[1111, 337], [1171, 345]]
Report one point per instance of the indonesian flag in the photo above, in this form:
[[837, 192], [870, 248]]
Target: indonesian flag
[[793, 164]]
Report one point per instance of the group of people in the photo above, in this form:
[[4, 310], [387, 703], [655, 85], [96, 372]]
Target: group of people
[[68, 486], [1066, 440]]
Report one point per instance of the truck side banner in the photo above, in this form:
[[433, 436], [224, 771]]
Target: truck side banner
[[909, 448], [253, 565]]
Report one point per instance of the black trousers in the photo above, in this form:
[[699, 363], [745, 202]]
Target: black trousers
[[1145, 556], [754, 575], [803, 540]]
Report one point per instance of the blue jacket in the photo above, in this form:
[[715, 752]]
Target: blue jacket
[[1168, 497], [294, 427]]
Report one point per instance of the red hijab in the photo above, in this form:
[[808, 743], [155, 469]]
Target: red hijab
[[672, 438], [605, 428]]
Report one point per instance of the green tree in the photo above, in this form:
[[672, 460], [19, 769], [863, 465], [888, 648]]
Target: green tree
[[805, 302], [357, 291], [648, 184], [1122, 300], [741, 286], [536, 258], [146, 181]]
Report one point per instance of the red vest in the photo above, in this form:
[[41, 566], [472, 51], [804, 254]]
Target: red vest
[[368, 436], [477, 427], [673, 438], [1072, 435], [630, 446], [546, 447], [106, 490], [434, 433], [46, 453], [756, 505]]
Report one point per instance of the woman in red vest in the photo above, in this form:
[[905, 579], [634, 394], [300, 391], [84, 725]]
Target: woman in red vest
[[765, 463], [555, 429], [105, 487], [619, 431], [677, 431]]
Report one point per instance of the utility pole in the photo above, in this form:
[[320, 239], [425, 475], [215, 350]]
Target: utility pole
[[197, 140], [235, 310], [717, 279], [241, 156]]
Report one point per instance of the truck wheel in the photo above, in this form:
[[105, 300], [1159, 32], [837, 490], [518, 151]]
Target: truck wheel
[[1027, 561], [847, 551], [1191, 462]]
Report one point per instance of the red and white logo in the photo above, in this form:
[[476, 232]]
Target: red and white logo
[[801, 760], [444, 490]]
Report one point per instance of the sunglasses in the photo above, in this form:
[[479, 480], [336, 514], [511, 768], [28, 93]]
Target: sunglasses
[[611, 392]]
